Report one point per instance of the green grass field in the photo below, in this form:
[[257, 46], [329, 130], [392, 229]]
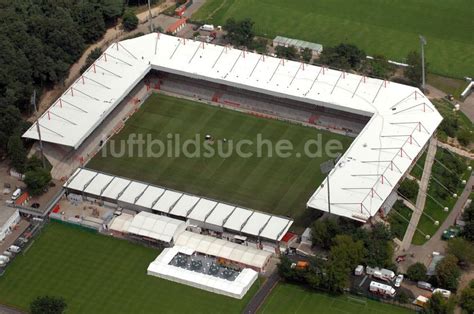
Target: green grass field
[[272, 184], [433, 210], [287, 298], [388, 27], [99, 274]]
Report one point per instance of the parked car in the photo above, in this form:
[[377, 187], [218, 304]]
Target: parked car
[[14, 249], [398, 280], [16, 194], [450, 233], [8, 254], [424, 285]]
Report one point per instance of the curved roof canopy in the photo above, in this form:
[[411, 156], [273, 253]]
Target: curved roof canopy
[[402, 118]]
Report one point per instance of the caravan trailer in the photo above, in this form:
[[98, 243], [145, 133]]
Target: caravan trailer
[[382, 289]]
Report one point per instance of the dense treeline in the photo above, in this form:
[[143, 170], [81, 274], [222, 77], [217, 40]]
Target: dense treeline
[[41, 39]]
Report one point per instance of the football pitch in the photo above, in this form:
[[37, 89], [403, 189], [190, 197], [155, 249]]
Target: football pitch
[[100, 274], [387, 27], [275, 184], [287, 298]]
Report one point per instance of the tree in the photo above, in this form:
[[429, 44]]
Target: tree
[[378, 243], [346, 251], [323, 232], [37, 180], [466, 301], [48, 305], [307, 55], [437, 304], [414, 70], [112, 9], [409, 189], [448, 272], [468, 218], [343, 56], [290, 53], [17, 153], [90, 18], [380, 67], [129, 20], [462, 249], [240, 33], [417, 272]]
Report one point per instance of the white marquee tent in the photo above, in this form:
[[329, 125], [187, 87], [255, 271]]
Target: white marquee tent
[[236, 289]]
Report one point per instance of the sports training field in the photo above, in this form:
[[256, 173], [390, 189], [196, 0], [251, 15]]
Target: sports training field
[[388, 27], [99, 274], [273, 184], [286, 298]]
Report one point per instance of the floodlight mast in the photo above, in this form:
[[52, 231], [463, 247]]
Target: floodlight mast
[[150, 17], [423, 43]]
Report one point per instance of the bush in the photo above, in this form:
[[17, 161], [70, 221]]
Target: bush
[[464, 137], [48, 305], [130, 21], [417, 272]]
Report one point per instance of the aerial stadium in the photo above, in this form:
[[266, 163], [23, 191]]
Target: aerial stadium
[[390, 123]]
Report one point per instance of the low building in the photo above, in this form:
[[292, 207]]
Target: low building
[[9, 218], [316, 49], [149, 226]]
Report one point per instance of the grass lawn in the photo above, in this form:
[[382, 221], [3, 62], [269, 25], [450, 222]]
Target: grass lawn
[[399, 218], [417, 170], [388, 27], [433, 208], [287, 298], [99, 274], [272, 184]]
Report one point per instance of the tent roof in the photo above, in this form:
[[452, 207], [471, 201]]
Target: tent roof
[[157, 227], [221, 248], [402, 118]]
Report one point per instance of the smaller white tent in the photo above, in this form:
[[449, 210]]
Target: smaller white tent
[[238, 253], [149, 225]]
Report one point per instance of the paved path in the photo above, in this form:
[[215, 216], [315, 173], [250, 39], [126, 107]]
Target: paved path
[[456, 150], [9, 310], [262, 294], [421, 197], [467, 106]]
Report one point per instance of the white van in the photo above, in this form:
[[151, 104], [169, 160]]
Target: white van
[[16, 194], [14, 249], [7, 254], [4, 260]]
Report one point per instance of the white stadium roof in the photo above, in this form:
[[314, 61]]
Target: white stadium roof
[[402, 118], [178, 204]]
